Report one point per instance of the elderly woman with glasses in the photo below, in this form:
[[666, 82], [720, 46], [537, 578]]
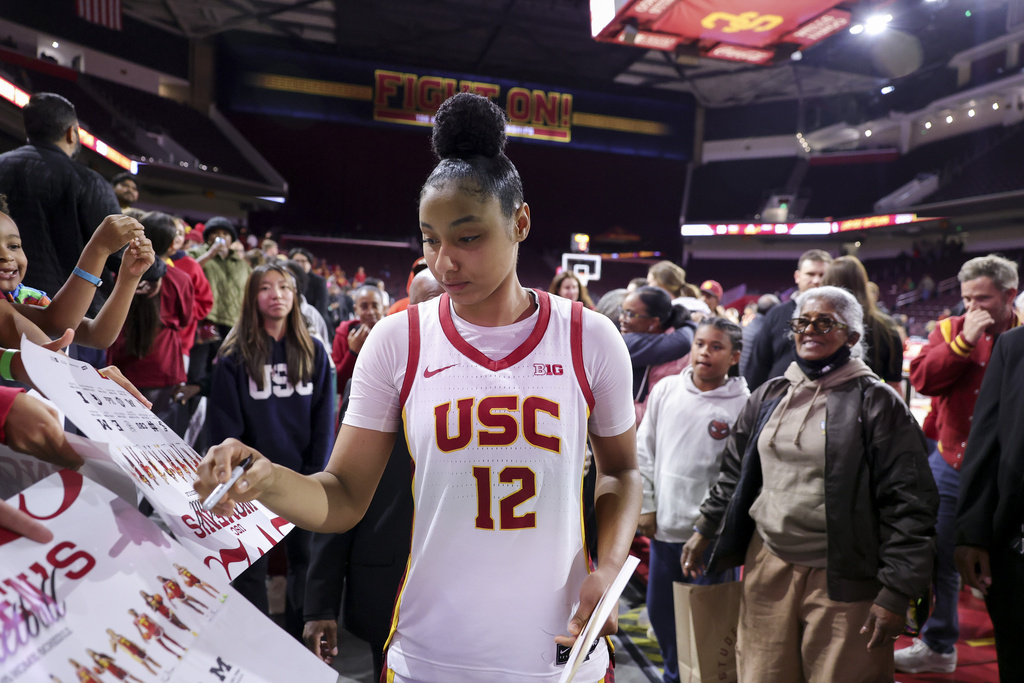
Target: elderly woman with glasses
[[826, 497], [658, 335]]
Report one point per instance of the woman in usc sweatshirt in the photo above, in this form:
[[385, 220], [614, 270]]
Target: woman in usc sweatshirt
[[271, 389]]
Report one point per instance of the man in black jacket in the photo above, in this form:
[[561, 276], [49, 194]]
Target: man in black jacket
[[990, 508], [56, 202], [773, 349]]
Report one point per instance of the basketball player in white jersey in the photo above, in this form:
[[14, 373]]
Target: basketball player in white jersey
[[499, 388]]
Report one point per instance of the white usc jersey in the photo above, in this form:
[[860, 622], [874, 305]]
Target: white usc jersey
[[498, 554]]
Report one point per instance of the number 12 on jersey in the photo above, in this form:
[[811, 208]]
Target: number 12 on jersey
[[507, 517]]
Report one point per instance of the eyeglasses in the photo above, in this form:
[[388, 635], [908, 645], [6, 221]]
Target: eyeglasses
[[629, 315], [819, 325]]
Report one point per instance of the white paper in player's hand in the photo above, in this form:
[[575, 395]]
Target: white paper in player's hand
[[158, 462], [608, 602]]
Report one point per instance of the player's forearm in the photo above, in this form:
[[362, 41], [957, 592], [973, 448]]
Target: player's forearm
[[317, 502], [618, 498]]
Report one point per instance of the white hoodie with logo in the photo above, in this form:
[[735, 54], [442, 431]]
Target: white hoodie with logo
[[680, 445]]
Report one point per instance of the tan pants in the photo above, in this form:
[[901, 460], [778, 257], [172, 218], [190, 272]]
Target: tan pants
[[790, 631]]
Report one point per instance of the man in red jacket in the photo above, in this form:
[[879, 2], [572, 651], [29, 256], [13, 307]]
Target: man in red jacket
[[950, 369]]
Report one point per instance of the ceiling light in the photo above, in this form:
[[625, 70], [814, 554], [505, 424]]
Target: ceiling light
[[876, 24], [971, 113], [887, 89], [949, 119], [995, 106], [857, 28], [867, 133], [927, 125], [55, 44]]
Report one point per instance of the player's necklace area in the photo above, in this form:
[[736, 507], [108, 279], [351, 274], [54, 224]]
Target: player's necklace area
[[530, 306]]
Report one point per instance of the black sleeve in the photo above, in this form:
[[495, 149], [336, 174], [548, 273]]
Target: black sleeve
[[759, 365], [979, 475], [316, 294], [904, 495], [96, 202], [325, 578]]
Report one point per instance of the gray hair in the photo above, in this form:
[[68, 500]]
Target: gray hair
[[847, 309], [1003, 272], [610, 305]]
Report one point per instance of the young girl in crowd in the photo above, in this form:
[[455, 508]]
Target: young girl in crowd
[[271, 387], [679, 448], [70, 304], [499, 386]]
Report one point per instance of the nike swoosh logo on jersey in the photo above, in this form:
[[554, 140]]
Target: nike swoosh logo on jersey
[[427, 372]]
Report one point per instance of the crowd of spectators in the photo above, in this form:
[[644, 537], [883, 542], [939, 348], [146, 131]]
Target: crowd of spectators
[[775, 436]]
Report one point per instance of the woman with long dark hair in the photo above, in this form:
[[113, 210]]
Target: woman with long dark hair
[[569, 286], [271, 388], [883, 346]]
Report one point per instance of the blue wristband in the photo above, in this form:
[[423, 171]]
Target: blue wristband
[[88, 277]]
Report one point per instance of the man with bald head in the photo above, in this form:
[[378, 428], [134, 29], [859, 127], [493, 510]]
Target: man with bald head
[[424, 287]]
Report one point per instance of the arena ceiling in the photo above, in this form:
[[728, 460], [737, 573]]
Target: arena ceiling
[[549, 41]]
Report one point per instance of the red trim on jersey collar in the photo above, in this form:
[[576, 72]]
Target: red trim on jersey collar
[[576, 344], [521, 352], [414, 353]]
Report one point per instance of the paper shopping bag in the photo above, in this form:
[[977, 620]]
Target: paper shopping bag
[[706, 618]]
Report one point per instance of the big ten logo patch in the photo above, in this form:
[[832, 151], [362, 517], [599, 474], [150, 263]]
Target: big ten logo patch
[[275, 381], [718, 429], [496, 421], [547, 369]]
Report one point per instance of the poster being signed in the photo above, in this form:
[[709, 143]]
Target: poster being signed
[[112, 597], [161, 464]]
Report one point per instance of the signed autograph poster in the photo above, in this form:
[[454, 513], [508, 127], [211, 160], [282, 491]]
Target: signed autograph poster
[[161, 464], [112, 597]]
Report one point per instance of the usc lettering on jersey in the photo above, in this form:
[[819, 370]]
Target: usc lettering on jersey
[[498, 554]]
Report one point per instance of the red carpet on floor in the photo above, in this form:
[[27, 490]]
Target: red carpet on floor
[[976, 651]]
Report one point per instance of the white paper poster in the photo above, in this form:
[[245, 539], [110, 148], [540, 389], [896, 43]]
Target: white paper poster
[[158, 461], [112, 597]]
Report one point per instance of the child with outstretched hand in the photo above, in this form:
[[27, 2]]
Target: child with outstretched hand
[[69, 306]]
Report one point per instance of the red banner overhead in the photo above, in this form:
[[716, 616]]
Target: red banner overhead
[[738, 30]]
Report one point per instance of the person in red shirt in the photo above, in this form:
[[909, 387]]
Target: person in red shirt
[[149, 350], [177, 258], [950, 368], [351, 334]]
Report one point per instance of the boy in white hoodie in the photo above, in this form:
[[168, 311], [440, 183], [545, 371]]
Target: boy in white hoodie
[[679, 451]]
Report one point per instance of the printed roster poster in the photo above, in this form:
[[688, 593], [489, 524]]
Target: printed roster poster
[[114, 598]]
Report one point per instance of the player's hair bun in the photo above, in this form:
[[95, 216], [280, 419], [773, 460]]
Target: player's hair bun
[[468, 125]]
